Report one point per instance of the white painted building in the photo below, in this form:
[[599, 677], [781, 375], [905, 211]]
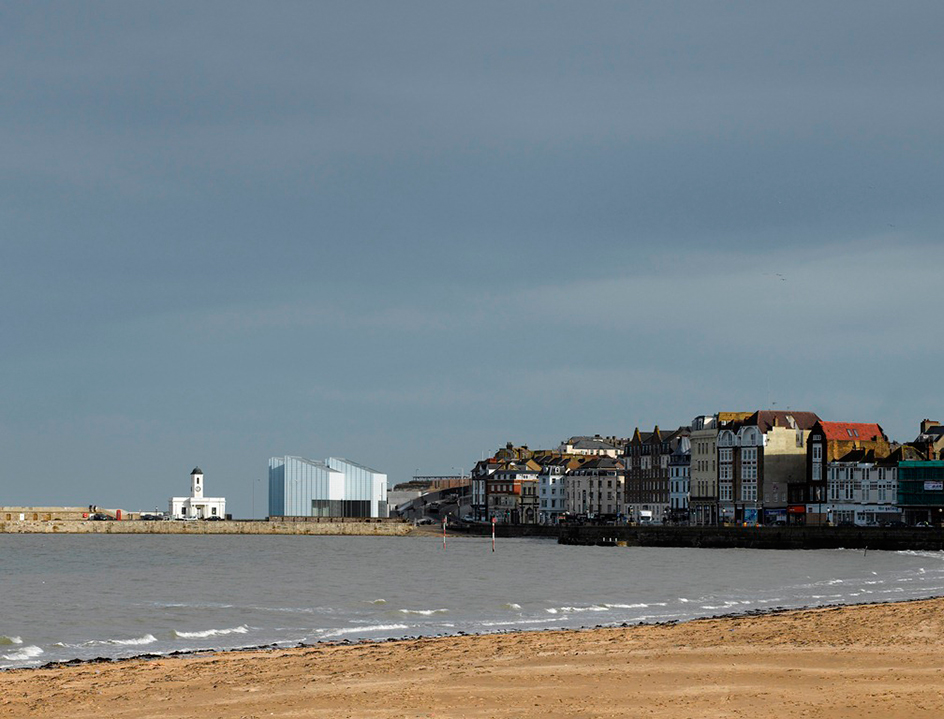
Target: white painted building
[[680, 468], [196, 506], [551, 492], [595, 446], [861, 490]]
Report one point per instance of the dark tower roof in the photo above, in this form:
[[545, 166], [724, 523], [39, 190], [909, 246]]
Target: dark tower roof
[[196, 470]]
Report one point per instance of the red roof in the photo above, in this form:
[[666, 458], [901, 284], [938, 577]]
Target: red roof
[[850, 431]]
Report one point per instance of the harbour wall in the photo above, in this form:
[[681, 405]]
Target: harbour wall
[[335, 528]]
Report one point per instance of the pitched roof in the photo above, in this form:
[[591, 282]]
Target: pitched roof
[[602, 463], [907, 453], [858, 456], [765, 419], [850, 431], [585, 442], [684, 447]]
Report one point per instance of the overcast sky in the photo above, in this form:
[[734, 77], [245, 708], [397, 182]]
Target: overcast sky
[[406, 233]]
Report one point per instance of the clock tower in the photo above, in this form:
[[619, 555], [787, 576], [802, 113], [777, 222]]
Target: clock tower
[[196, 483]]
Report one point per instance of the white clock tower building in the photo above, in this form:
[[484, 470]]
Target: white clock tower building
[[196, 506]]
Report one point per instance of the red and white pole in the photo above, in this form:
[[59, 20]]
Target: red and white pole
[[444, 532], [493, 533]]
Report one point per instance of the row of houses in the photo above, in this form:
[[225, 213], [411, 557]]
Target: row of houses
[[762, 467]]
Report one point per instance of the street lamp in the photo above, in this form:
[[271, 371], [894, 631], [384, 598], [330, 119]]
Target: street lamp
[[254, 496]]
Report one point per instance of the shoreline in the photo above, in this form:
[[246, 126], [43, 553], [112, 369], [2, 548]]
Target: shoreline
[[276, 647], [839, 661]]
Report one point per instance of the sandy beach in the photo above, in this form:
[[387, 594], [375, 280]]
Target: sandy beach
[[874, 660]]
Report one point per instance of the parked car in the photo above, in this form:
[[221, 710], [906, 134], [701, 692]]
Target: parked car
[[214, 518], [425, 520], [100, 517]]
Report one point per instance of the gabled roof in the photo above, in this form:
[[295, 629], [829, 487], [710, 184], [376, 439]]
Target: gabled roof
[[684, 446], [851, 431], [907, 453]]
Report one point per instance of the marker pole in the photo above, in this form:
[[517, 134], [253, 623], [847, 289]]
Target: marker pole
[[444, 532], [493, 534]]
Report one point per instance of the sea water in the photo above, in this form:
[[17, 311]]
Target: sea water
[[65, 597]]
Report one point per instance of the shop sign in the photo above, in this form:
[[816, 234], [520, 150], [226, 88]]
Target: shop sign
[[934, 486]]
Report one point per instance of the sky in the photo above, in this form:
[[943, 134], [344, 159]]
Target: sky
[[407, 233]]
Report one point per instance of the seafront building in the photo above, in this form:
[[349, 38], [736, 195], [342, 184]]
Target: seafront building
[[827, 442], [300, 487], [703, 470], [596, 487], [759, 457], [767, 467], [863, 490], [680, 479], [197, 506], [595, 446], [511, 492], [921, 491], [647, 474]]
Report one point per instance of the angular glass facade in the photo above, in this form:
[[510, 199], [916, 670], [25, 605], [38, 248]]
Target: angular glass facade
[[300, 487]]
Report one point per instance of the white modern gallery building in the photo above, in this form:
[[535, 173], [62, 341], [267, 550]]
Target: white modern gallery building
[[196, 506], [300, 487]]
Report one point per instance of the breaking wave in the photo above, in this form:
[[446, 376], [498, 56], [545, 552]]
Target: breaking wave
[[211, 633], [326, 634], [22, 655]]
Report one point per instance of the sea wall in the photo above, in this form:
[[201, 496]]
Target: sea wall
[[355, 527], [889, 538], [885, 538]]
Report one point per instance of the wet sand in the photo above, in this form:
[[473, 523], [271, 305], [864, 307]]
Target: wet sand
[[864, 661]]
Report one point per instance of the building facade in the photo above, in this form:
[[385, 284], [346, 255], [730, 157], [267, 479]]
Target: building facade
[[921, 491], [595, 446], [197, 506], [552, 486], [511, 493], [862, 490], [337, 487], [703, 470], [680, 464], [758, 458], [827, 442], [596, 487], [647, 474]]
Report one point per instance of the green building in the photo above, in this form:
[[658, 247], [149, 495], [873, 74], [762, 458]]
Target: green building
[[921, 491]]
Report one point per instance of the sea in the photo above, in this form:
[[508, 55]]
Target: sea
[[84, 597]]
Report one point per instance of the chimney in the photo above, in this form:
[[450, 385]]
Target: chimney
[[926, 424]]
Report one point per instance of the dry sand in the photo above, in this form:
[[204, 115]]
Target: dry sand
[[866, 661]]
